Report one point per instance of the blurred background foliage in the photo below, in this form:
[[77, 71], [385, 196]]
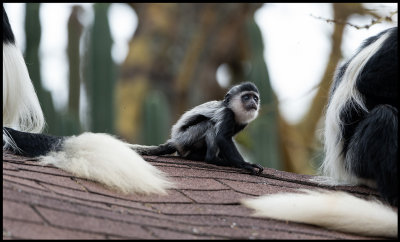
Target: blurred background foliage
[[171, 66]]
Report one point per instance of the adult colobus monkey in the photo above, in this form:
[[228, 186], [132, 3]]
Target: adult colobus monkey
[[99, 157], [361, 128], [205, 132]]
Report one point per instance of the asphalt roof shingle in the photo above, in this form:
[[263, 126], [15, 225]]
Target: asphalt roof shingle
[[43, 202]]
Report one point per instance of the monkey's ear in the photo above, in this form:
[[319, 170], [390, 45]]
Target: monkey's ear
[[227, 98]]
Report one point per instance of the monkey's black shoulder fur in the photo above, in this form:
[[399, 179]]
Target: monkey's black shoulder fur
[[378, 81]]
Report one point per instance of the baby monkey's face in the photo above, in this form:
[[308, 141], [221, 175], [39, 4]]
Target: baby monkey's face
[[250, 101], [245, 106]]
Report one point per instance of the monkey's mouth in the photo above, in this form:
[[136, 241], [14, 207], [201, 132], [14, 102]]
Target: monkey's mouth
[[251, 107]]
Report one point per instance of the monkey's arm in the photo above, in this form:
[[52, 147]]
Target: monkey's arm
[[228, 151]]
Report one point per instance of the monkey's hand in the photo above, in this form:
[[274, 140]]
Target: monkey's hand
[[253, 168]]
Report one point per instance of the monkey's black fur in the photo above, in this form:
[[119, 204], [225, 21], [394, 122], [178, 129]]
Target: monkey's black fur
[[373, 149], [33, 144], [370, 138]]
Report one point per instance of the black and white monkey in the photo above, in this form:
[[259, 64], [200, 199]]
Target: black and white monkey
[[99, 157], [205, 132], [361, 147]]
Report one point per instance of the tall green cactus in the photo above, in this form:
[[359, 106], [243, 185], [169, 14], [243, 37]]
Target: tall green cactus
[[100, 72], [33, 32], [155, 119], [264, 130]]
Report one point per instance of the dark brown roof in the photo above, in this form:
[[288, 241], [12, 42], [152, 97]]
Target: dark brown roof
[[43, 202]]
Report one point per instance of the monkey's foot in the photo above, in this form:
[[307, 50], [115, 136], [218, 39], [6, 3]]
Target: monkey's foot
[[253, 168]]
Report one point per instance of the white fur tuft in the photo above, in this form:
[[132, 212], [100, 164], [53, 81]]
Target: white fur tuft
[[334, 210], [21, 108], [103, 158], [333, 165]]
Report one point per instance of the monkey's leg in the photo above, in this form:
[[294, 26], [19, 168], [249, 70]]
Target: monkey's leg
[[206, 149], [232, 156], [373, 150], [212, 151]]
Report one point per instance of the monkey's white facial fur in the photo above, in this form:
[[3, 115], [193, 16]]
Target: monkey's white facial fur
[[245, 105]]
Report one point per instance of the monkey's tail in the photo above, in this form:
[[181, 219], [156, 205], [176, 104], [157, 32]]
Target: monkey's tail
[[330, 209], [163, 149], [94, 156]]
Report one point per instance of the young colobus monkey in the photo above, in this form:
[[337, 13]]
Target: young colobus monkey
[[361, 147], [205, 132], [99, 157]]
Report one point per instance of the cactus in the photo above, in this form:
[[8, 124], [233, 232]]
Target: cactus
[[100, 72], [33, 32], [263, 131], [155, 119]]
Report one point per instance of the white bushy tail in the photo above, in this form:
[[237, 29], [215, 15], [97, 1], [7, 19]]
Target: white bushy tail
[[105, 159], [330, 209]]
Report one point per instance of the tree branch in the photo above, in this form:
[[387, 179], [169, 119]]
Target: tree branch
[[367, 26]]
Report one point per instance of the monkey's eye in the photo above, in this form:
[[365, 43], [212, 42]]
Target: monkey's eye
[[246, 97], [255, 98]]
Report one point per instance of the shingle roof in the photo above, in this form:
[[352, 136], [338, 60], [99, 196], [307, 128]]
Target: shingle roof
[[43, 202]]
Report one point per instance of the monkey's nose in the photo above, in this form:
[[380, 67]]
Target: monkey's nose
[[252, 106]]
